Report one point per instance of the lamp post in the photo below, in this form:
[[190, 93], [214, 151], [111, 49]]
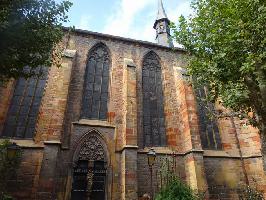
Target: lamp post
[[12, 151], [151, 160]]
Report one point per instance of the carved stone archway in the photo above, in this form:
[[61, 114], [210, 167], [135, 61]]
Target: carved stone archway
[[90, 168], [92, 149]]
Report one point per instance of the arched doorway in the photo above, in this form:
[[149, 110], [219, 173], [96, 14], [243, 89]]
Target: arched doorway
[[90, 170]]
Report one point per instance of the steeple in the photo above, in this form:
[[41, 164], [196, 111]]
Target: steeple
[[161, 26], [161, 12]]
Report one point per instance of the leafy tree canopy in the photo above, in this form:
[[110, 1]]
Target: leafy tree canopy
[[29, 31], [227, 41]]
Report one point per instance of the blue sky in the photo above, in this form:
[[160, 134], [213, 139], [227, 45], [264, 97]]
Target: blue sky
[[126, 18]]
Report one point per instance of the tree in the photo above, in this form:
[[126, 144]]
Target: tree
[[29, 33], [227, 43]]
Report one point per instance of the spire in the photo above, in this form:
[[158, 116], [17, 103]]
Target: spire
[[161, 26], [161, 12]]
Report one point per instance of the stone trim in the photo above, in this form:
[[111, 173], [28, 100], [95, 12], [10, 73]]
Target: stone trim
[[206, 153], [65, 148], [32, 147], [69, 53], [224, 154], [140, 42], [25, 144], [95, 123], [182, 70], [129, 63], [183, 74], [166, 150], [52, 142], [132, 147]]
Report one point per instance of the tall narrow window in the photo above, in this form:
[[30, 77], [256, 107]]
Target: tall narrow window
[[95, 95], [24, 107], [153, 107], [209, 132]]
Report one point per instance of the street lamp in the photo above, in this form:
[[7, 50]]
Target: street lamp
[[151, 161], [12, 151]]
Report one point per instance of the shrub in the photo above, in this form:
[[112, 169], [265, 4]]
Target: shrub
[[176, 190], [249, 193]]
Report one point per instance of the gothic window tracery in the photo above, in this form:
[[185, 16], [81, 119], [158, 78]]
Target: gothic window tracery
[[209, 132], [24, 107], [153, 106], [95, 95], [90, 169], [92, 149]]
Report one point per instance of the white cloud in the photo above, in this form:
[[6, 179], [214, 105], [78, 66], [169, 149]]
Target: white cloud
[[145, 30], [84, 22], [121, 23], [182, 8], [145, 33]]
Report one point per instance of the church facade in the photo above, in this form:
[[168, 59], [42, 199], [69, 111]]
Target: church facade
[[86, 128]]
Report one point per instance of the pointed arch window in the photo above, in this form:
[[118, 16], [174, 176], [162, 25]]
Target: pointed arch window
[[24, 108], [153, 103], [209, 132], [95, 95]]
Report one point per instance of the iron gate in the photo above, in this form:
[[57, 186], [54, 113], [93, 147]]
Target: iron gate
[[89, 180]]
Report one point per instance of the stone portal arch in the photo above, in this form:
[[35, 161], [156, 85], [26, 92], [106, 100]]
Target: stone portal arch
[[92, 148], [90, 168]]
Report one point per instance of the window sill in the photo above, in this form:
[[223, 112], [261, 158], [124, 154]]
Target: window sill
[[97, 123], [24, 143], [224, 154], [216, 153]]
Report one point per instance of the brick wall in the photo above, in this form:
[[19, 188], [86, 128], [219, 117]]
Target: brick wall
[[52, 110], [117, 106], [165, 162], [223, 176], [24, 186], [59, 121], [131, 123], [6, 92]]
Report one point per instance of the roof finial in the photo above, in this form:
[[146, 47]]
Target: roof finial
[[161, 12]]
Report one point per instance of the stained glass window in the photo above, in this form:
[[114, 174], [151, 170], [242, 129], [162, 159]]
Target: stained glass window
[[209, 132], [95, 94], [153, 106], [25, 104]]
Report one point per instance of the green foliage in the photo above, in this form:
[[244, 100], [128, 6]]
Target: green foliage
[[176, 190], [8, 168], [5, 197], [226, 40], [29, 32], [249, 193]]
